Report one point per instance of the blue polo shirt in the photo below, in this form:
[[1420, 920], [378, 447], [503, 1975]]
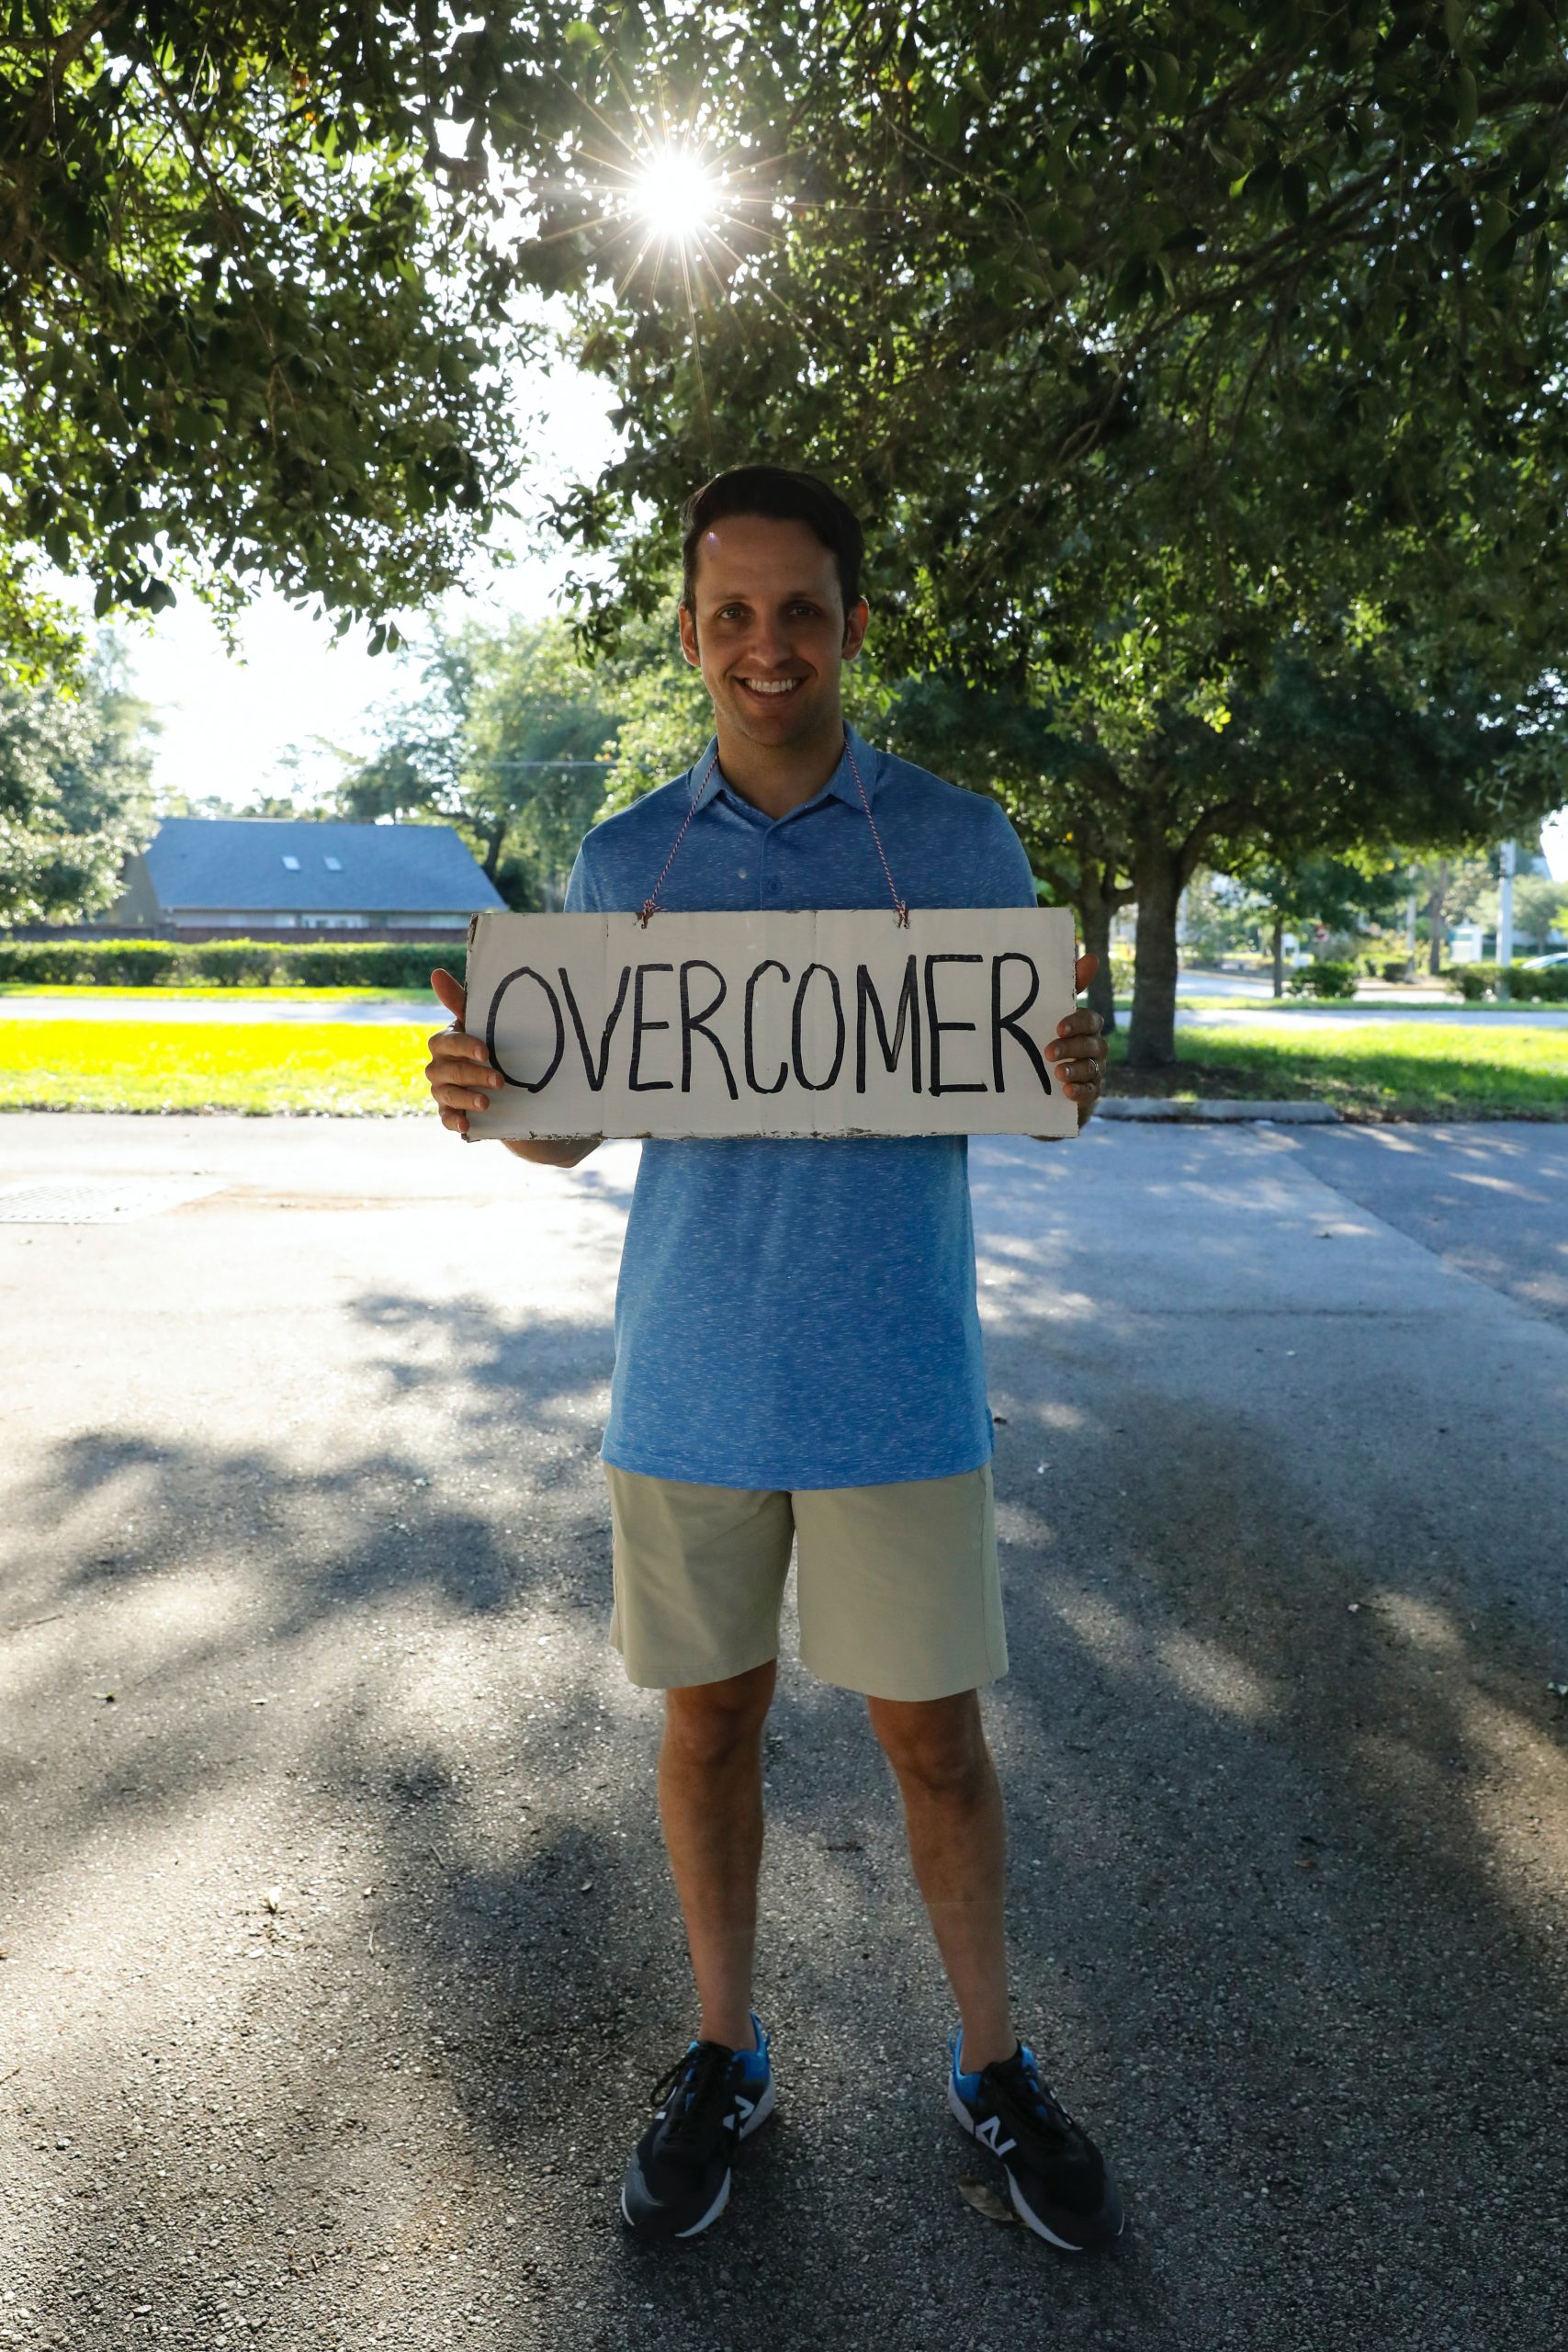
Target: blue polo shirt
[[796, 1312]]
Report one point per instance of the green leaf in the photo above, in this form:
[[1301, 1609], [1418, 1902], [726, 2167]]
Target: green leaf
[[1496, 222]]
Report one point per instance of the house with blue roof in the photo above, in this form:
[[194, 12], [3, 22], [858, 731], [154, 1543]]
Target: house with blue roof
[[250, 874]]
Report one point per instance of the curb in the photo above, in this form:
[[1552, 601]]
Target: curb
[[1160, 1106]]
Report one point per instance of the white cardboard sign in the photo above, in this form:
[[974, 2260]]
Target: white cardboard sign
[[836, 1023]]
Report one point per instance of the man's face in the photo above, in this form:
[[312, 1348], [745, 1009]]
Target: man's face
[[770, 633]]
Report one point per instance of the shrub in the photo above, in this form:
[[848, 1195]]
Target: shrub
[[1478, 983], [1323, 978], [72, 962], [1549, 987], [1123, 969], [1395, 970], [230, 963]]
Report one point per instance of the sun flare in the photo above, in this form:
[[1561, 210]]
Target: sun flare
[[676, 195]]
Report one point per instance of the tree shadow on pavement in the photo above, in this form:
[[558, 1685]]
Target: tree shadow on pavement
[[343, 1952]]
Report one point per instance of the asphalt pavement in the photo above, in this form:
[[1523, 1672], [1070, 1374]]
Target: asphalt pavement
[[338, 1950]]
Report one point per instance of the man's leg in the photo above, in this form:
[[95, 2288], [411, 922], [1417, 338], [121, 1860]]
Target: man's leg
[[952, 1811], [710, 1799]]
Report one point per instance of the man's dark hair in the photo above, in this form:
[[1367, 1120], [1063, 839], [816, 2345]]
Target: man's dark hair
[[785, 496]]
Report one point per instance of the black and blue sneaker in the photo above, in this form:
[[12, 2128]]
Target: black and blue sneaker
[[1056, 2177], [678, 2179]]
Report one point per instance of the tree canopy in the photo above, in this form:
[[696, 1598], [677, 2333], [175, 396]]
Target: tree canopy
[[1174, 354], [256, 315]]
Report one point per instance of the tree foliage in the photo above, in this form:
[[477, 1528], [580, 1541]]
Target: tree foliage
[[254, 313], [1179, 356], [505, 733], [75, 791]]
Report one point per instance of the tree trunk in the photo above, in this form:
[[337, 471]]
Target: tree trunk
[[1279, 954], [1435, 918], [1156, 885], [492, 850], [1094, 912]]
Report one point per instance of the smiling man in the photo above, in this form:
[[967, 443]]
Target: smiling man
[[797, 1359]]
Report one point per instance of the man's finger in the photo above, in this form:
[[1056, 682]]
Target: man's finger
[[450, 993], [458, 1046]]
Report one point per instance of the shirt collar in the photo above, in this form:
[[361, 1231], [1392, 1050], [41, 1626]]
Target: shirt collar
[[841, 785]]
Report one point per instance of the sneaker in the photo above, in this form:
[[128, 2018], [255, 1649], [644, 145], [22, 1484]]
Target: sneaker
[[678, 2179], [1057, 2177]]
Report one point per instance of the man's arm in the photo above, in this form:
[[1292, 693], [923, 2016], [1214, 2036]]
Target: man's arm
[[462, 1079]]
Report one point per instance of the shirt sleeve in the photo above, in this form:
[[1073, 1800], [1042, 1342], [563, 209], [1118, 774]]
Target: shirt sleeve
[[1009, 876], [581, 898]]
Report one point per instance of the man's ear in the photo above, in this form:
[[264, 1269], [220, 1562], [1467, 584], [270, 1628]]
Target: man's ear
[[687, 621], [856, 627]]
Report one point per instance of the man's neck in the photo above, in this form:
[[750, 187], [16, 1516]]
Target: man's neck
[[777, 777]]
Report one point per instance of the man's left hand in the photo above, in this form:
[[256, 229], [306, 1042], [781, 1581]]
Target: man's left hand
[[1078, 1053]]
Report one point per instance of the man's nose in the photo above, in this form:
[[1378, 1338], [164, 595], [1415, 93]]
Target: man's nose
[[770, 647]]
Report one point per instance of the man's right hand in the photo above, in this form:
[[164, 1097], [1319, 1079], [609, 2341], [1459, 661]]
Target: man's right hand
[[463, 1079], [459, 1069]]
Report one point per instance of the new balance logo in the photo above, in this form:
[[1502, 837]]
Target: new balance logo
[[991, 2132]]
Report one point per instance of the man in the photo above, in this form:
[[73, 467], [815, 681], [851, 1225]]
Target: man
[[797, 1352]]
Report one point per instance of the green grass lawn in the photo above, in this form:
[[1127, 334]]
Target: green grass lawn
[[219, 1066], [1368, 1069]]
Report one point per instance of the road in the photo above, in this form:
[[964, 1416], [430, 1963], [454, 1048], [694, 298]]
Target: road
[[425, 1014], [338, 1950]]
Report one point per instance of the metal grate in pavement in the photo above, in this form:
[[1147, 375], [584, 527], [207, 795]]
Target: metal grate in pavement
[[100, 1200]]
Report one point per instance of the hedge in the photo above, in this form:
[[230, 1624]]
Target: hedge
[[1322, 978], [230, 963], [1478, 982]]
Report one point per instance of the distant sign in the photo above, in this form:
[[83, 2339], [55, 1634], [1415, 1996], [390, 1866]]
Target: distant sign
[[838, 1023]]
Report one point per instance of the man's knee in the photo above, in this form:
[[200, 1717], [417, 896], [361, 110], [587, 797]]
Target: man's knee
[[937, 1744], [710, 1722]]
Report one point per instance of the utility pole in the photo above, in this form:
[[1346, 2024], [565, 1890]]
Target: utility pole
[[1410, 930], [1506, 915]]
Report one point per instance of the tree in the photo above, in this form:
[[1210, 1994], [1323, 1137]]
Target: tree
[[1337, 892], [1178, 357], [1540, 909], [256, 314], [508, 735], [75, 791]]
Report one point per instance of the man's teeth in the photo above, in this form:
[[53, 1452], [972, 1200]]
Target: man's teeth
[[770, 685]]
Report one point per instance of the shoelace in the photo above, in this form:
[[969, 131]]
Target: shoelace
[[702, 2075], [1040, 2105]]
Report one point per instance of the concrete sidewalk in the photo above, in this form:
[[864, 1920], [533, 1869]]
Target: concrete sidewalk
[[339, 1952]]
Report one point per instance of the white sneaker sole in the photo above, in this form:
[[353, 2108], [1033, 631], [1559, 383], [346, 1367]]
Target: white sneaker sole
[[759, 2114]]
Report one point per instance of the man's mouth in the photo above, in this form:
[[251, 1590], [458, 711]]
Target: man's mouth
[[771, 689]]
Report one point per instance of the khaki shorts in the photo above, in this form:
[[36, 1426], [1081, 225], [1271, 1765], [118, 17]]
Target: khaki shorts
[[898, 1585]]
